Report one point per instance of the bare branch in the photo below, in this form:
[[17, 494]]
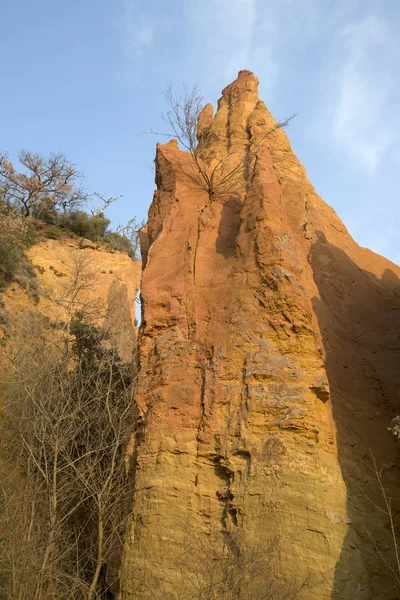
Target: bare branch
[[182, 117], [103, 203], [67, 420]]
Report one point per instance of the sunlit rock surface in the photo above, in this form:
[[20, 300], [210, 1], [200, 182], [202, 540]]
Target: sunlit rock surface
[[269, 370]]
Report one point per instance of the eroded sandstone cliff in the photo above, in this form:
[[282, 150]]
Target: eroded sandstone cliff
[[72, 275], [268, 372]]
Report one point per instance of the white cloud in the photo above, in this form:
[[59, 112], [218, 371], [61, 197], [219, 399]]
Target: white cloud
[[364, 92]]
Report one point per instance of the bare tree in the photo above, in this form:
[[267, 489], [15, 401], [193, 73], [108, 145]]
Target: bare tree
[[183, 114], [216, 567], [75, 293], [66, 421], [132, 231], [225, 175], [387, 511], [46, 184], [103, 203]]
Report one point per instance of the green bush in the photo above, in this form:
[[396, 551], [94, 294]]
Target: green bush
[[94, 228], [53, 232], [10, 258], [91, 227], [119, 242], [30, 234], [16, 233]]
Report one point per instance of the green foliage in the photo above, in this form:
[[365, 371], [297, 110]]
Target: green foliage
[[16, 234], [10, 258], [53, 232], [92, 348], [30, 234], [12, 235], [119, 242], [87, 338], [95, 228], [91, 227]]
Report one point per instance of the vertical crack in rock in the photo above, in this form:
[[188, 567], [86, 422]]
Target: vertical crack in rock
[[202, 407], [225, 496]]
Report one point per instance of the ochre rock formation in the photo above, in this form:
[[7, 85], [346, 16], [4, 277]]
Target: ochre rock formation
[[103, 283], [268, 359]]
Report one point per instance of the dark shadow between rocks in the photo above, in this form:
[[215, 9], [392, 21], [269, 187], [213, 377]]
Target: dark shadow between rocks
[[229, 226], [359, 317]]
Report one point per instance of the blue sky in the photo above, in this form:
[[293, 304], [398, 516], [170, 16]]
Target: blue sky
[[87, 76]]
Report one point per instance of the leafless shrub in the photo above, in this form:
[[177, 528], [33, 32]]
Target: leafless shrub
[[103, 203], [183, 114], [217, 567], [221, 177], [75, 293], [387, 511], [131, 230], [66, 421]]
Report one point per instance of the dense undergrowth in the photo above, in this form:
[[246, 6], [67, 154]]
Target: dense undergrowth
[[17, 233], [78, 223], [66, 417]]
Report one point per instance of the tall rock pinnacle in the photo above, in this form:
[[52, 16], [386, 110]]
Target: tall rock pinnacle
[[268, 371]]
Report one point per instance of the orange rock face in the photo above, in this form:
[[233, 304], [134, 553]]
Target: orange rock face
[[268, 372]]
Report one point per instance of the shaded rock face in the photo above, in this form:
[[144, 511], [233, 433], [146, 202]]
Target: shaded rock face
[[268, 372]]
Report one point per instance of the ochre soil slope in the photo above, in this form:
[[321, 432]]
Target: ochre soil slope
[[93, 278]]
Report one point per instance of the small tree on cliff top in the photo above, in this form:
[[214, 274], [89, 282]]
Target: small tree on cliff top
[[46, 184], [223, 177]]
